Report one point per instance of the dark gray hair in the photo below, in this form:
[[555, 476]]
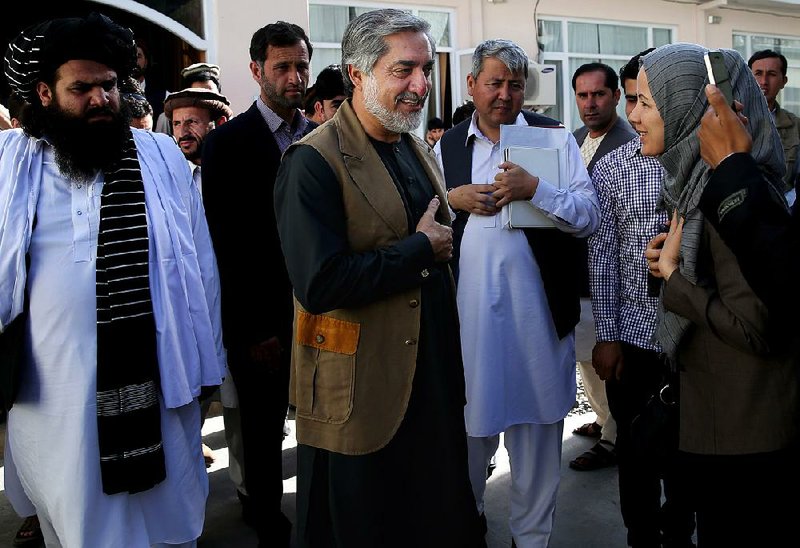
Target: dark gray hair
[[506, 51], [364, 40]]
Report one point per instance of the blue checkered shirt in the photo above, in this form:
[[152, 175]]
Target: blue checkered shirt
[[628, 186], [283, 133]]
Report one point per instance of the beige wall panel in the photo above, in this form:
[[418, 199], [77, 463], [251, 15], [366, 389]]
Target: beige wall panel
[[236, 23]]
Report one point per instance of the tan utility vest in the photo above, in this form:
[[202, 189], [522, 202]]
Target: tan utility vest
[[352, 369], [788, 127]]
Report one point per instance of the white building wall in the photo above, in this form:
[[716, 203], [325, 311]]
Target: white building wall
[[476, 20], [236, 22]]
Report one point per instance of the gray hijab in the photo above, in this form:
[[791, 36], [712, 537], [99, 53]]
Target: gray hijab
[[677, 77]]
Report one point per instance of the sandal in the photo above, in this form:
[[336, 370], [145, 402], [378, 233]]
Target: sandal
[[29, 533], [595, 458], [590, 430]]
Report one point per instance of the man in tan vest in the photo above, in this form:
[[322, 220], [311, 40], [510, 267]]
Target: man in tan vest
[[377, 377], [769, 68]]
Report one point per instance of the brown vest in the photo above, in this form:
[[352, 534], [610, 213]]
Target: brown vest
[[352, 369]]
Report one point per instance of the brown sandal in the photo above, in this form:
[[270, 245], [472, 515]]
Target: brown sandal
[[590, 430], [602, 455], [29, 533]]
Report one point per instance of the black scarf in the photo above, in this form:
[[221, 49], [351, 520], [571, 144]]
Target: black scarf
[[128, 414]]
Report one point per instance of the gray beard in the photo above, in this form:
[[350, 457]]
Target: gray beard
[[394, 121]]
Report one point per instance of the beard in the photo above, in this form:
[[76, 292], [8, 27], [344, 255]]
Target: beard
[[198, 151], [82, 148], [278, 99], [394, 121]]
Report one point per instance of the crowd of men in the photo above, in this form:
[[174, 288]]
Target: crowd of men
[[313, 252]]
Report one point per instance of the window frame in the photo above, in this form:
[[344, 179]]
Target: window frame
[[792, 106], [567, 97], [449, 51]]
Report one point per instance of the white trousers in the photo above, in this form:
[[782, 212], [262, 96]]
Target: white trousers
[[595, 389], [534, 452]]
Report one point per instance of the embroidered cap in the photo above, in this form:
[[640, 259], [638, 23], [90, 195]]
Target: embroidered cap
[[200, 68], [216, 103]]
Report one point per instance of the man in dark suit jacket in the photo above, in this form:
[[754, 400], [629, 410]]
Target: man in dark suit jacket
[[257, 315], [597, 94]]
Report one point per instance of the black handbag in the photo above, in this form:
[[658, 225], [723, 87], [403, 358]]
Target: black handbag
[[654, 431], [12, 354]]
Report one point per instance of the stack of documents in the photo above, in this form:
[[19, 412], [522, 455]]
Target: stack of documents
[[541, 151]]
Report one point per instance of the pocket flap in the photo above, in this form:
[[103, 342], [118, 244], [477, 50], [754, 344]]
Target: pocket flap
[[326, 333]]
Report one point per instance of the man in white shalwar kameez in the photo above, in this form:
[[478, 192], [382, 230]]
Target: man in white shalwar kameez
[[518, 296], [50, 196]]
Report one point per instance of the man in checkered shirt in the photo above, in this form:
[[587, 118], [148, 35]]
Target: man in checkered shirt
[[625, 356]]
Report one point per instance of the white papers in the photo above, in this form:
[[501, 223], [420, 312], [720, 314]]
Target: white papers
[[541, 151], [542, 162]]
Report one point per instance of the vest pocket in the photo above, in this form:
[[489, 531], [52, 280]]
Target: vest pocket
[[325, 367]]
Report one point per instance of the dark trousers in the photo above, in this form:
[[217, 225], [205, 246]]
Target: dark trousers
[[414, 492], [263, 401], [640, 475], [743, 500]]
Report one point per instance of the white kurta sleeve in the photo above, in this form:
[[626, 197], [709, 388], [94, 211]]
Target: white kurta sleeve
[[576, 209]]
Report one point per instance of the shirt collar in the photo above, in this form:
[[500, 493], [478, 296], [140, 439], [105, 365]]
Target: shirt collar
[[299, 122], [634, 148], [474, 132]]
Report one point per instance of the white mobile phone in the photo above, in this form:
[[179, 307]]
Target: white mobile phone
[[718, 74]]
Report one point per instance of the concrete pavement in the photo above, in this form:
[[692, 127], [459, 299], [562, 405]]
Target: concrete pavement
[[587, 513]]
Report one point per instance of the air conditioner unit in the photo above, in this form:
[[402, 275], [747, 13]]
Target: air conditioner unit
[[540, 87]]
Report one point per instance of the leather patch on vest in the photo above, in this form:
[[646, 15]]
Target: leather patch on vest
[[327, 333]]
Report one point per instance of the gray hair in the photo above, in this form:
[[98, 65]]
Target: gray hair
[[510, 54], [364, 40]]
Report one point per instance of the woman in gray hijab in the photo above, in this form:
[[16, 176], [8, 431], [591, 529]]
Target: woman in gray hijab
[[738, 383]]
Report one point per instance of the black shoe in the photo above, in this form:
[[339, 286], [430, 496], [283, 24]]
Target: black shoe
[[248, 511], [491, 467], [483, 527]]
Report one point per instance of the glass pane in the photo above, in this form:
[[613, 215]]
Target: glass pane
[[550, 36], [764, 42], [440, 26], [188, 13], [355, 12], [790, 49], [622, 40], [740, 44], [321, 59], [787, 46], [327, 23], [661, 37], [583, 38], [789, 98]]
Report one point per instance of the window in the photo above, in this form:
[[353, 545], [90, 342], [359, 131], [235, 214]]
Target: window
[[568, 44], [188, 13], [747, 44], [327, 22]]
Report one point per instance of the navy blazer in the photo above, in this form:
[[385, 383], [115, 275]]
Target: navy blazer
[[240, 162], [619, 134]]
